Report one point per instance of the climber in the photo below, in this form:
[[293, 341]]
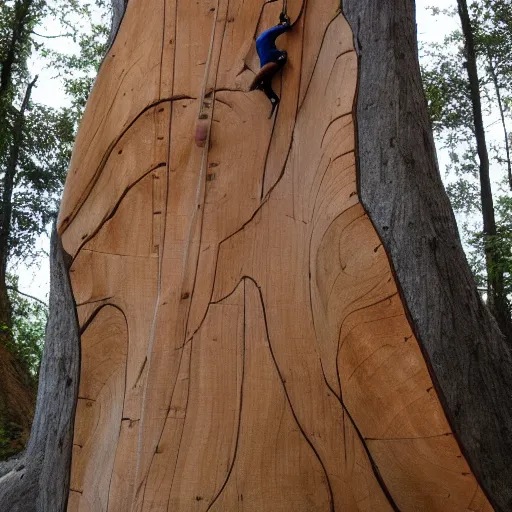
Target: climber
[[272, 60]]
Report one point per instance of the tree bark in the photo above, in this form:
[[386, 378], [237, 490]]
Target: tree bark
[[469, 359], [39, 479], [118, 10]]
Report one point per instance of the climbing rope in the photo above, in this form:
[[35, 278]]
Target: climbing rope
[[284, 12]]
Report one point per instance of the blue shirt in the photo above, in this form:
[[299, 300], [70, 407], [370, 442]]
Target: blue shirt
[[266, 44]]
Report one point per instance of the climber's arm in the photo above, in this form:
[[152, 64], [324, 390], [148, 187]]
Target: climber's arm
[[268, 38], [276, 31]]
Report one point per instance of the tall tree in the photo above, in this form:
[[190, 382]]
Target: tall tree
[[318, 343], [498, 301], [35, 147], [463, 78], [17, 395], [492, 25]]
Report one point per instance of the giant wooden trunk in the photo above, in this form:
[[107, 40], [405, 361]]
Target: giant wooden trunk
[[244, 344]]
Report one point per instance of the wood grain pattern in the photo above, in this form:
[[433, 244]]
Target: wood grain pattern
[[402, 190], [241, 323]]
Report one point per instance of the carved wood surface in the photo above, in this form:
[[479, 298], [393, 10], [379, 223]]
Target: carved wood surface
[[402, 191], [244, 345]]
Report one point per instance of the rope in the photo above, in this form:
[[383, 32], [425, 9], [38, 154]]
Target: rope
[[302, 9]]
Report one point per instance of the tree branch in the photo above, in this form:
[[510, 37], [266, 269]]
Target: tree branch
[[52, 37], [14, 289]]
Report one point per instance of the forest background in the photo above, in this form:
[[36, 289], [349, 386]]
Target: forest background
[[50, 51]]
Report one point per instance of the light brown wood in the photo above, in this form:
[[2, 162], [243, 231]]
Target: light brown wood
[[244, 344]]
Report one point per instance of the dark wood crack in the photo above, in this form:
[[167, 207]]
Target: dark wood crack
[[240, 409], [283, 382]]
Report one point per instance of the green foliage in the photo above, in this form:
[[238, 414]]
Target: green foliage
[[500, 244], [48, 133], [464, 196], [43, 162], [28, 330], [447, 90], [493, 23], [446, 87], [78, 71], [36, 141]]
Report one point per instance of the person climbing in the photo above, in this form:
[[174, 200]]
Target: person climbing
[[272, 60]]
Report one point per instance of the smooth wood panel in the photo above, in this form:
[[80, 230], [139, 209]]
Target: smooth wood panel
[[99, 410], [129, 82]]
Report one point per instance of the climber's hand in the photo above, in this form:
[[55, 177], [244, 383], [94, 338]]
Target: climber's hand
[[284, 19]]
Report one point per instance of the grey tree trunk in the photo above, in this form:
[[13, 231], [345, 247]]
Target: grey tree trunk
[[39, 479], [400, 185], [118, 9]]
